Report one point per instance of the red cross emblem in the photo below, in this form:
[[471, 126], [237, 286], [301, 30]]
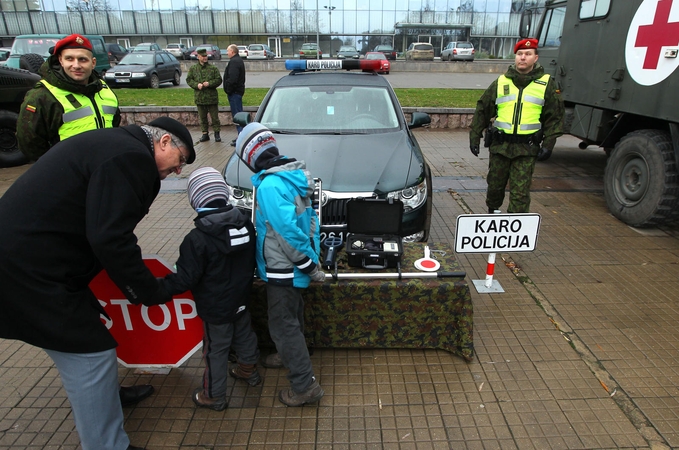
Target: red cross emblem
[[659, 34]]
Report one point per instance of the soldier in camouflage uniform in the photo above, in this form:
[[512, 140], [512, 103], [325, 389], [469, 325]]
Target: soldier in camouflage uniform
[[204, 78], [518, 140], [71, 98]]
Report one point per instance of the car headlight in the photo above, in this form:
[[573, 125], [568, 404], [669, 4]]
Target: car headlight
[[138, 75], [412, 197], [239, 198], [109, 75]]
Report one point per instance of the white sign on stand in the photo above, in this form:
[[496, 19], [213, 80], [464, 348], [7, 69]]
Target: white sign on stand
[[492, 233]]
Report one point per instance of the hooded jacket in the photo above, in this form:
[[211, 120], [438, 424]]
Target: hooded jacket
[[41, 114], [288, 235], [551, 117], [70, 215], [217, 263]]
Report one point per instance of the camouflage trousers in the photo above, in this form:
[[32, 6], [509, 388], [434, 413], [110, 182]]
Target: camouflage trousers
[[519, 172], [214, 116]]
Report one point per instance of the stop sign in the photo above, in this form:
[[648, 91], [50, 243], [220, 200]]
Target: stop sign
[[150, 336]]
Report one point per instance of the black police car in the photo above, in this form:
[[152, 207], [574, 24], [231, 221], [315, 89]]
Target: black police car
[[350, 130]]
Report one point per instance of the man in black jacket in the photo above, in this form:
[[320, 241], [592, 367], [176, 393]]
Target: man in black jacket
[[234, 83], [72, 214]]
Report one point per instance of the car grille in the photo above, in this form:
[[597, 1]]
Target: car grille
[[123, 74], [335, 212]]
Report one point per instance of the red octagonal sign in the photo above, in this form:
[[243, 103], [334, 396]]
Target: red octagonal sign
[[156, 336]]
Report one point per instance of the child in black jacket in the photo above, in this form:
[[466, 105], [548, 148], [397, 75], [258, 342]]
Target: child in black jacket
[[217, 262]]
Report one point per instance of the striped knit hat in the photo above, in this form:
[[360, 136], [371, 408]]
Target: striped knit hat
[[256, 145], [205, 186]]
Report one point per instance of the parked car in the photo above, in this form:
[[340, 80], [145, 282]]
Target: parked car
[[213, 52], [386, 65], [388, 51], [422, 51], [29, 51], [260, 51], [310, 50], [350, 130], [146, 47], [179, 51], [348, 51], [458, 51], [145, 69], [14, 83], [243, 51], [116, 52]]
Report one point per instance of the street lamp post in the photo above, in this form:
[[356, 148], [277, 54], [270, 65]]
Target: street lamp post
[[318, 42], [330, 9]]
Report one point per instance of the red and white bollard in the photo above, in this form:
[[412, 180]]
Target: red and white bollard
[[489, 285]]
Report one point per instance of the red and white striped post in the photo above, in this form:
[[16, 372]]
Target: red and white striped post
[[489, 285], [490, 270]]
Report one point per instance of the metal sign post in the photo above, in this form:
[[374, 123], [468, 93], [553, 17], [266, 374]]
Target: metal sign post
[[494, 233]]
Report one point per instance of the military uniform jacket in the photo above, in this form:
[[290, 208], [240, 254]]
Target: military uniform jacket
[[41, 114], [217, 263], [199, 73], [70, 215], [234, 76], [551, 117]]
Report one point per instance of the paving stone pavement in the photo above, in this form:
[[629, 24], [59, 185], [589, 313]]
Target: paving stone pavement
[[579, 352]]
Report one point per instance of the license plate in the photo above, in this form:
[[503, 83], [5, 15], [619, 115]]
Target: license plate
[[122, 80]]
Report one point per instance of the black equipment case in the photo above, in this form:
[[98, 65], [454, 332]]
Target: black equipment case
[[374, 233]]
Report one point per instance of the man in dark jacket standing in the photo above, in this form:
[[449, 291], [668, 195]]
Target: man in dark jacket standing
[[234, 83], [528, 114], [70, 99], [69, 216], [204, 79]]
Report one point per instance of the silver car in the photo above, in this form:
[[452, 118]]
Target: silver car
[[259, 51], [179, 51], [458, 51]]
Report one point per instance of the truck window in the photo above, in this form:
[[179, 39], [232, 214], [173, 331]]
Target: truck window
[[590, 9], [552, 27]]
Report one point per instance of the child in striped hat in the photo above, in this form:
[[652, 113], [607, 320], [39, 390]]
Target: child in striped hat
[[217, 263]]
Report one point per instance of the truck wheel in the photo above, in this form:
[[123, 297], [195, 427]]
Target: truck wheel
[[10, 155], [31, 62], [640, 180]]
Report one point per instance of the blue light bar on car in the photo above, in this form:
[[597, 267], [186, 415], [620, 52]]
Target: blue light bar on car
[[332, 64]]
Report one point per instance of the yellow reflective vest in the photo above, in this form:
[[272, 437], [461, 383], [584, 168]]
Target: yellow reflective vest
[[82, 113], [518, 110]]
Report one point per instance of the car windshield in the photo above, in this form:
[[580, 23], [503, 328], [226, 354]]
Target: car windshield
[[330, 109], [464, 45], [347, 49], [138, 58], [308, 46], [375, 56], [256, 48], [40, 46]]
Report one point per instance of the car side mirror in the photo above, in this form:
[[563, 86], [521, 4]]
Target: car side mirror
[[418, 120], [242, 118]]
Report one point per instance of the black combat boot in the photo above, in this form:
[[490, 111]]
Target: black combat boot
[[204, 138], [217, 137]]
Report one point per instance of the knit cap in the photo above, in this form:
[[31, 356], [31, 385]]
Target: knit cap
[[205, 186], [256, 145]]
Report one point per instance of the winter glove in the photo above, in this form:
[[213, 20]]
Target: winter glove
[[160, 296], [544, 154], [317, 275], [474, 149]]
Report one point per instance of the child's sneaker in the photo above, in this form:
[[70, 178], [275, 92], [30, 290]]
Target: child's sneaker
[[247, 372], [312, 394], [201, 400]]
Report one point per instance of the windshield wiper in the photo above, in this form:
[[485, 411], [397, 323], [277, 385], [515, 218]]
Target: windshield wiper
[[283, 131]]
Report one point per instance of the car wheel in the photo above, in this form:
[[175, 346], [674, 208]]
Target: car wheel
[[154, 83], [177, 79], [10, 155], [31, 62]]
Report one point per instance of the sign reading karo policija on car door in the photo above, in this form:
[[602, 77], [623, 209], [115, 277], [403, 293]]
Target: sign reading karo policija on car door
[[150, 336]]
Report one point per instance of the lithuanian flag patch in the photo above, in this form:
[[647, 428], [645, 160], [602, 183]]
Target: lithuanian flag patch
[[30, 108]]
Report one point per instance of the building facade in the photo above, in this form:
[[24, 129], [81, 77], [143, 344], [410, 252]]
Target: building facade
[[492, 25]]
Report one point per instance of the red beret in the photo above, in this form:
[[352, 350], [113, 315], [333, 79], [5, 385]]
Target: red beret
[[524, 44], [73, 41]]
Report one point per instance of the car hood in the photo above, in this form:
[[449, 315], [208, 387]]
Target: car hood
[[380, 163], [132, 67]]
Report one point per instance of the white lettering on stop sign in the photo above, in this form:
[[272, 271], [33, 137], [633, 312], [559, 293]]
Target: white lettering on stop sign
[[180, 314]]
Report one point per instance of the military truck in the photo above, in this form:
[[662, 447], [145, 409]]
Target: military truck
[[14, 83], [615, 63]]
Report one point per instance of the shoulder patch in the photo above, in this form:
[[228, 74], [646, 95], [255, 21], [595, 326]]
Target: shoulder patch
[[30, 108]]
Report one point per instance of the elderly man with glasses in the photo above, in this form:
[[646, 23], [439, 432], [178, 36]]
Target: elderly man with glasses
[[72, 214]]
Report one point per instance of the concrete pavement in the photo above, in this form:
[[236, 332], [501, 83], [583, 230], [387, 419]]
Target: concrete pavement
[[579, 352]]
